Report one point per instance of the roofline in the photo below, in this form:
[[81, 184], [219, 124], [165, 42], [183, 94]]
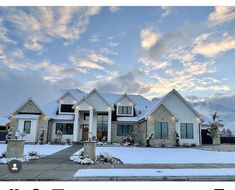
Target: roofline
[[181, 97], [67, 92], [128, 97], [27, 102], [84, 99]]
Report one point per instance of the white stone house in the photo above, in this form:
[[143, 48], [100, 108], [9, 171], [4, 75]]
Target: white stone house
[[110, 117]]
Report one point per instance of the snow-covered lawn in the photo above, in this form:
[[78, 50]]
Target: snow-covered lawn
[[42, 150], [136, 155], [154, 172]]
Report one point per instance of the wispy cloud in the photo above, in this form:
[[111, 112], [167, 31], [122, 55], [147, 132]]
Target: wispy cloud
[[114, 9], [3, 33], [148, 38], [166, 11], [221, 15], [41, 24]]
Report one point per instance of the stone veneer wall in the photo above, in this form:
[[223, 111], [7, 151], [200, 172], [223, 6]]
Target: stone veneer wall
[[162, 115], [119, 139], [42, 124]]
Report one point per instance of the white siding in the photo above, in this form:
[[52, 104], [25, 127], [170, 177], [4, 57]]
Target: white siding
[[184, 115], [68, 99], [124, 102], [84, 106], [98, 102], [33, 131]]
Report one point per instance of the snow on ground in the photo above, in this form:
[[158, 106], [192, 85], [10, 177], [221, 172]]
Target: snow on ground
[[42, 151], [154, 172], [137, 155]]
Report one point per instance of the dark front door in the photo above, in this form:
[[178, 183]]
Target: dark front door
[[206, 139], [85, 131]]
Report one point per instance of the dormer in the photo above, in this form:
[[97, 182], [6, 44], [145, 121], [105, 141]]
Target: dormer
[[125, 106], [66, 103]]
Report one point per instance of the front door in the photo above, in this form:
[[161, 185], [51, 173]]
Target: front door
[[85, 131], [206, 139]]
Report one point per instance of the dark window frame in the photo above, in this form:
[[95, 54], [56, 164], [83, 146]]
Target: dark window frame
[[187, 136], [29, 129], [161, 130], [125, 110], [66, 108], [65, 131], [124, 130]]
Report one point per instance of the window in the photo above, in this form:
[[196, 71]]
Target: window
[[86, 116], [125, 110], [186, 131], [27, 127], [161, 130], [124, 130], [102, 126], [68, 108], [66, 128]]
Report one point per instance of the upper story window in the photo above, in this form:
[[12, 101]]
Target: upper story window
[[125, 110], [27, 127], [66, 108]]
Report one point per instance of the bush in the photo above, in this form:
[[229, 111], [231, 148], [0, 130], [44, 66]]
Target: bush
[[4, 154], [33, 154]]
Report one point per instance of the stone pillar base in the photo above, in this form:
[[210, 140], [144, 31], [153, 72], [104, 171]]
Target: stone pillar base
[[89, 149], [15, 148]]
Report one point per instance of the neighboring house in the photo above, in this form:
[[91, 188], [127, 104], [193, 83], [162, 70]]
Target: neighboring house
[[4, 124], [110, 117]]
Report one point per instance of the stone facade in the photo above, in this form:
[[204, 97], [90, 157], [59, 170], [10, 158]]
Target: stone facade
[[119, 139], [43, 124], [162, 115]]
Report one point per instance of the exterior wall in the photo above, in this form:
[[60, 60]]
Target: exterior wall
[[162, 115], [98, 102], [184, 115], [68, 99], [141, 133], [36, 124], [29, 107], [43, 124], [32, 137], [124, 102]]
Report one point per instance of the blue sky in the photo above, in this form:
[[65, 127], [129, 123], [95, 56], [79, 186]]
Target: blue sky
[[138, 50]]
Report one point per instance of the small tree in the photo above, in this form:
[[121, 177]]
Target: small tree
[[214, 129]]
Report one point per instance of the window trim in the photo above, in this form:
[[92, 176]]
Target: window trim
[[161, 122], [29, 127], [186, 124], [121, 114], [69, 113]]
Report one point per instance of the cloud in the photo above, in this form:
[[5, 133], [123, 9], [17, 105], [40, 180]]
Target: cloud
[[212, 49], [89, 64], [114, 9], [3, 33], [94, 38], [148, 38], [41, 24], [221, 15], [166, 11], [99, 58], [154, 64]]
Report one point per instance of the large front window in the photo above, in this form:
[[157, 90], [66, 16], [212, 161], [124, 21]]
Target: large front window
[[102, 127], [124, 130], [67, 108], [125, 110], [186, 131], [161, 130], [65, 128]]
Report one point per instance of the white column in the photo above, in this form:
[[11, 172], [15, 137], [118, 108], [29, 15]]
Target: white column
[[90, 123], [76, 126], [109, 124]]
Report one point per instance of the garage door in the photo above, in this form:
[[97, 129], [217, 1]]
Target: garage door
[[206, 139]]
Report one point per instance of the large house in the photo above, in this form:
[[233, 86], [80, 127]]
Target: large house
[[110, 117]]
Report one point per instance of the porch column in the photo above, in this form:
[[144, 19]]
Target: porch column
[[76, 126], [109, 124], [90, 123]]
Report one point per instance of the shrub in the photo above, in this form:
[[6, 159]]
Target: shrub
[[4, 154], [32, 154]]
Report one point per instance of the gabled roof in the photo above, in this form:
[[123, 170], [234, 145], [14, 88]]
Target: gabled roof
[[34, 102], [74, 93], [84, 99], [127, 96], [163, 99], [96, 91]]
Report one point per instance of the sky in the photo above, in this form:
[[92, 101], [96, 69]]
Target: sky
[[139, 50]]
